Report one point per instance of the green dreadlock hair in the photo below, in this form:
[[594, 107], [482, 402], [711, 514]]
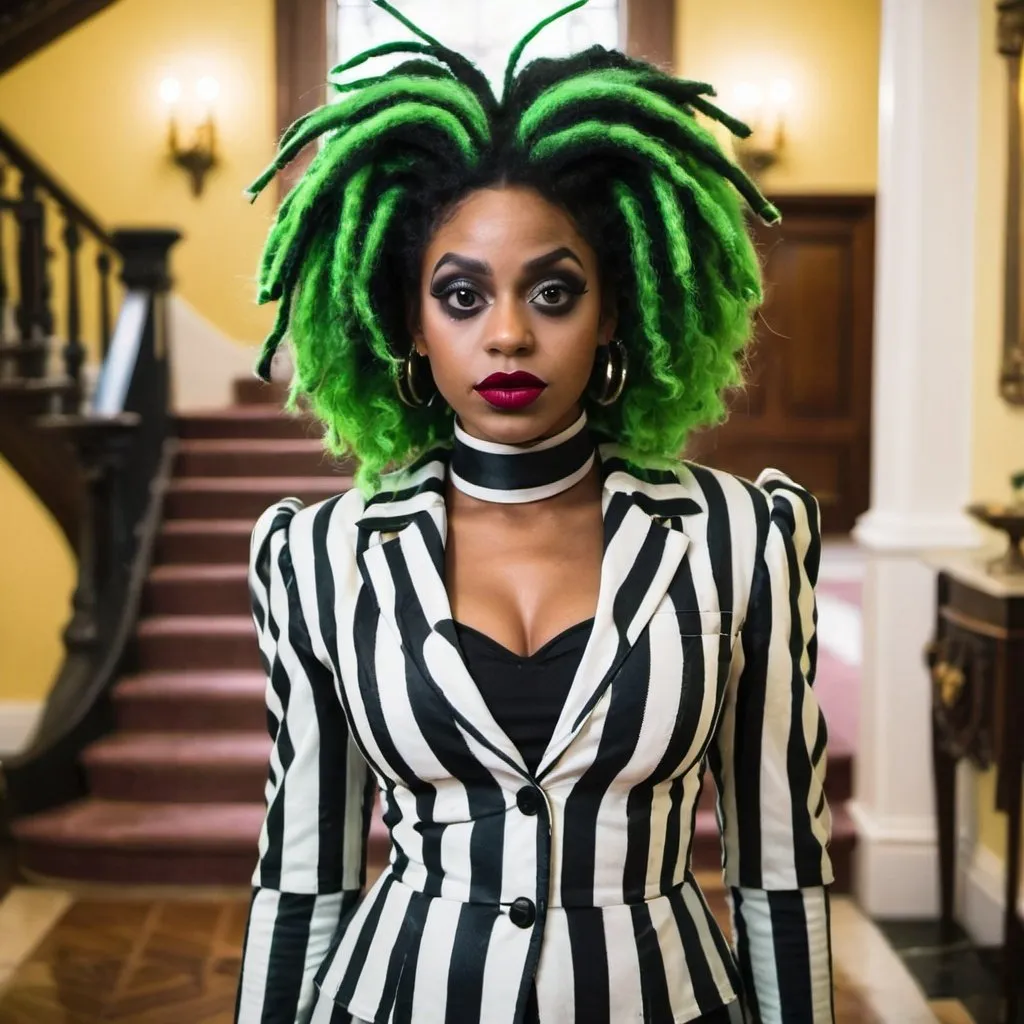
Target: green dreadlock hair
[[612, 140]]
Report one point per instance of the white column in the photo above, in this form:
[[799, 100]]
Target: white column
[[921, 459]]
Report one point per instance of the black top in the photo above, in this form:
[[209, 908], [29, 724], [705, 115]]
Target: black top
[[525, 695]]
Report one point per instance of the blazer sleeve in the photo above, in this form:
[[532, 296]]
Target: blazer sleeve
[[768, 761], [312, 845]]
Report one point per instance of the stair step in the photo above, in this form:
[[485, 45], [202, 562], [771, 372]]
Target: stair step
[[707, 846], [283, 457], [220, 541], [254, 391], [152, 843], [194, 589], [239, 497], [246, 421], [200, 702], [222, 767], [197, 642], [143, 843]]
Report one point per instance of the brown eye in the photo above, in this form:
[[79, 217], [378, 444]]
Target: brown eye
[[557, 297], [459, 300]]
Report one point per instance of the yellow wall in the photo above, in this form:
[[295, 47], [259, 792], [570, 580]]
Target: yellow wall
[[998, 444], [37, 574], [827, 51], [88, 107]]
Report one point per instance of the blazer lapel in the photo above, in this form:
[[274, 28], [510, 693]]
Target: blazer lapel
[[404, 568], [641, 556], [405, 572]]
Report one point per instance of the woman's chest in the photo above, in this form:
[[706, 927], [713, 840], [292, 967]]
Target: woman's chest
[[645, 699], [523, 587]]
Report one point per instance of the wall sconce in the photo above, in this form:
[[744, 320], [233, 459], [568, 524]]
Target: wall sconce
[[764, 110], [200, 157]]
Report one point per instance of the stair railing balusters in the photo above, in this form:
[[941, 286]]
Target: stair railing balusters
[[28, 282], [3, 260], [74, 350], [31, 219], [103, 263]]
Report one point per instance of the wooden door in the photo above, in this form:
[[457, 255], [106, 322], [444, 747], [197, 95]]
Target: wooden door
[[807, 406]]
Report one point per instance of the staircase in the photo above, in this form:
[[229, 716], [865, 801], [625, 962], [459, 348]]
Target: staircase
[[176, 790]]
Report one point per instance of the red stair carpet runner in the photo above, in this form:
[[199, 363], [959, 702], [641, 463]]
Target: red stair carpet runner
[[176, 791]]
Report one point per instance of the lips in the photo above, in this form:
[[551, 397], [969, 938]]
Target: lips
[[510, 390]]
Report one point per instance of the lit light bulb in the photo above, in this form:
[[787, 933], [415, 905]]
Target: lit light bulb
[[781, 93], [170, 91], [208, 89]]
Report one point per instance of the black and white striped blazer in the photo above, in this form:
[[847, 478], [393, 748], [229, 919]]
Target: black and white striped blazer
[[571, 886]]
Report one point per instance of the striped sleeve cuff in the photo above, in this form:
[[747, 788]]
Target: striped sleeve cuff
[[287, 938], [784, 949]]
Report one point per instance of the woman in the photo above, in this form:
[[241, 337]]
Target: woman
[[534, 633]]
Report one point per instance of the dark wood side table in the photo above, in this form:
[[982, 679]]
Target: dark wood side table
[[977, 668]]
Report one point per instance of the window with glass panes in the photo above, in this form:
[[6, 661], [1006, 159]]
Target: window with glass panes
[[483, 30]]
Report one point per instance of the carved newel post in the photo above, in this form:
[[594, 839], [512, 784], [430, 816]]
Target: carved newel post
[[103, 444]]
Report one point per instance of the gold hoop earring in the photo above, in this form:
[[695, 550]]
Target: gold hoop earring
[[616, 370], [405, 383]]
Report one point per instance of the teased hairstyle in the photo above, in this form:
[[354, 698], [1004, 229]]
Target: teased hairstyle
[[612, 140]]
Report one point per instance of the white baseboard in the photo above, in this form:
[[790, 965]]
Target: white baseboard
[[896, 873], [18, 719], [980, 900]]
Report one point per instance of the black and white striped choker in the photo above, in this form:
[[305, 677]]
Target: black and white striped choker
[[510, 474]]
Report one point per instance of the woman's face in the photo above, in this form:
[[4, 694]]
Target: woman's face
[[508, 286]]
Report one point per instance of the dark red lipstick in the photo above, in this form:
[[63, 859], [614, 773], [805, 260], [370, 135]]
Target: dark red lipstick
[[510, 390]]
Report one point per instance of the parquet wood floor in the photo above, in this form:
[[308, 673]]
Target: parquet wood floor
[[151, 963], [166, 961]]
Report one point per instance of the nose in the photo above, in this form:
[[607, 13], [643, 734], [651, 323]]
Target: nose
[[510, 332]]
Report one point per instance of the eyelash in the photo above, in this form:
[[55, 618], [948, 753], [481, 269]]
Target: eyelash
[[573, 289]]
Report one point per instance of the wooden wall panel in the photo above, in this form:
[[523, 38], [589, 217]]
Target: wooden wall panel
[[807, 406], [651, 31], [814, 374], [301, 53]]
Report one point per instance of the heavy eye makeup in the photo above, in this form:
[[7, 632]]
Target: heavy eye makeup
[[553, 295]]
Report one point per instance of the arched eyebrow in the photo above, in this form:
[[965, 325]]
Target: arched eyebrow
[[485, 270], [561, 253]]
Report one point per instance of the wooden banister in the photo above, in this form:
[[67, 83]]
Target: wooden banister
[[17, 154], [99, 463], [123, 447]]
